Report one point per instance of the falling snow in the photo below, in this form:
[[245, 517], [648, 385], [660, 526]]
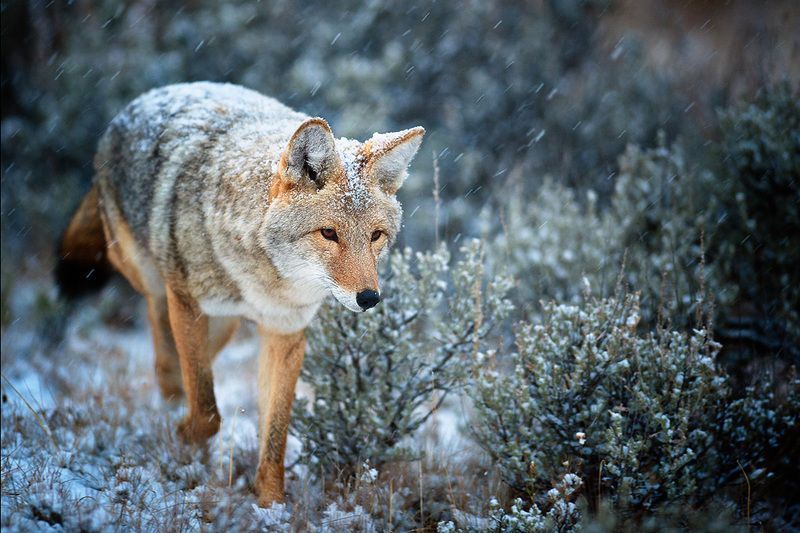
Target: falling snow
[[631, 174]]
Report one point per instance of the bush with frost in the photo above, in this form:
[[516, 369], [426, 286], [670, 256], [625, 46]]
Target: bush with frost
[[644, 419], [556, 512], [723, 222], [760, 171], [554, 241], [654, 233], [497, 98], [378, 376]]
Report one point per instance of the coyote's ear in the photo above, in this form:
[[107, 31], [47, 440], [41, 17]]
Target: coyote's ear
[[310, 154], [388, 156]]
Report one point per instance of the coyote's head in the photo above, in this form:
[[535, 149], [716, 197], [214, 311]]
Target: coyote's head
[[333, 212]]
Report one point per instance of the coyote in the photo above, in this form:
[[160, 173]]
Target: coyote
[[218, 203]]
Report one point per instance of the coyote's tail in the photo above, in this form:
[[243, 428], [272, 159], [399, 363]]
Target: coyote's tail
[[82, 265]]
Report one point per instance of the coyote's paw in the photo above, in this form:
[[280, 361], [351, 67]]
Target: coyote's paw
[[268, 495], [197, 430]]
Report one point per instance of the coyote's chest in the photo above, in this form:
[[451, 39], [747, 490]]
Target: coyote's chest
[[278, 316], [271, 311]]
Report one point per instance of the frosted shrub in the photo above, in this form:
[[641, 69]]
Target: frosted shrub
[[558, 512], [761, 140], [378, 376], [661, 209], [761, 167], [553, 242], [643, 419], [681, 229], [274, 518], [567, 108], [651, 232]]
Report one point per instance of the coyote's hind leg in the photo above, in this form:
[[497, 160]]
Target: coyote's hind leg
[[168, 366]]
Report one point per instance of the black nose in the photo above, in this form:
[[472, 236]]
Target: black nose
[[367, 299]]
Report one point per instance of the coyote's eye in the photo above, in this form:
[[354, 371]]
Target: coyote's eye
[[376, 235], [329, 234]]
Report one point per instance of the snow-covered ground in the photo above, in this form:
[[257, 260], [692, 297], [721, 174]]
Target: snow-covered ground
[[88, 444]]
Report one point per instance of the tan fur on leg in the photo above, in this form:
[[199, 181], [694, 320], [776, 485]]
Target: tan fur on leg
[[279, 367], [190, 330], [168, 367]]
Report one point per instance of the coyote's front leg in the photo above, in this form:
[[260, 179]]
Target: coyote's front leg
[[279, 367], [190, 331]]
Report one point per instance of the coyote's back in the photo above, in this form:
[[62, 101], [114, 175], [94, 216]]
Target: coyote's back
[[168, 144], [187, 136]]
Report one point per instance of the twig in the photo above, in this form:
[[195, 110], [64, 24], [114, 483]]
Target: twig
[[36, 415], [599, 484], [421, 508], [391, 493], [747, 479]]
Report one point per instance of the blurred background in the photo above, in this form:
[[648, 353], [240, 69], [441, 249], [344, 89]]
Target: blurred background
[[509, 91], [568, 133]]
